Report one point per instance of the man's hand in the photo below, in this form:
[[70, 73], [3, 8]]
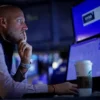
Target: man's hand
[[25, 51], [65, 88]]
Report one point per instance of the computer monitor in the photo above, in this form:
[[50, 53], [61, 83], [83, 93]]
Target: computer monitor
[[86, 19], [86, 50]]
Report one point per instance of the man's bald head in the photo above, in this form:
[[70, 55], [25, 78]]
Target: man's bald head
[[8, 10]]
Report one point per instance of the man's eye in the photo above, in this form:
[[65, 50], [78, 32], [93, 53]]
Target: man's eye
[[19, 20]]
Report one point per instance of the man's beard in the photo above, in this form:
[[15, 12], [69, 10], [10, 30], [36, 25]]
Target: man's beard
[[10, 38], [5, 37]]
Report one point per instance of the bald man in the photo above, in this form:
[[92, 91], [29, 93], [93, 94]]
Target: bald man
[[13, 31]]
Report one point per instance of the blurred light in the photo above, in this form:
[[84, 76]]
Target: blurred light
[[50, 58], [50, 71], [41, 57], [30, 17], [31, 60], [45, 58], [34, 57], [32, 68], [16, 55], [81, 37], [60, 61], [63, 69], [56, 57], [55, 65]]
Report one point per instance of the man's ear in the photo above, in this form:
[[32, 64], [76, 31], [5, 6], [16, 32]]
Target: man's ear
[[3, 22]]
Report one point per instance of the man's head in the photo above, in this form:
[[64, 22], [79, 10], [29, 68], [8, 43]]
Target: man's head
[[12, 23]]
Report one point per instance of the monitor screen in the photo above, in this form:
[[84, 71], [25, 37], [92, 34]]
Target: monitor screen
[[86, 19], [87, 50]]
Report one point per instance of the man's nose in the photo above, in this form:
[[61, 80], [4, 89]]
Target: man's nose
[[25, 27]]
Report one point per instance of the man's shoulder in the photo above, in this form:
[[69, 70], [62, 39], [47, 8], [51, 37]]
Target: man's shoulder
[[1, 47], [1, 51], [3, 67]]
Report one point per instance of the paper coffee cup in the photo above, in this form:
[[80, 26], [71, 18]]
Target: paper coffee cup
[[83, 68], [84, 77]]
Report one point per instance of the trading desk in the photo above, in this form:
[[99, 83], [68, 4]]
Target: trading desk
[[49, 96], [64, 98]]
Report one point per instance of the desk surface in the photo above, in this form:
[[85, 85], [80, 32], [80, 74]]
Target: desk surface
[[45, 96], [67, 98]]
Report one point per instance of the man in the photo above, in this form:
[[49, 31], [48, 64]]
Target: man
[[12, 30]]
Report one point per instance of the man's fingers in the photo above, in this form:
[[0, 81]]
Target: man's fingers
[[21, 42], [25, 46], [74, 85], [73, 92], [21, 53], [21, 45], [74, 89], [25, 37]]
